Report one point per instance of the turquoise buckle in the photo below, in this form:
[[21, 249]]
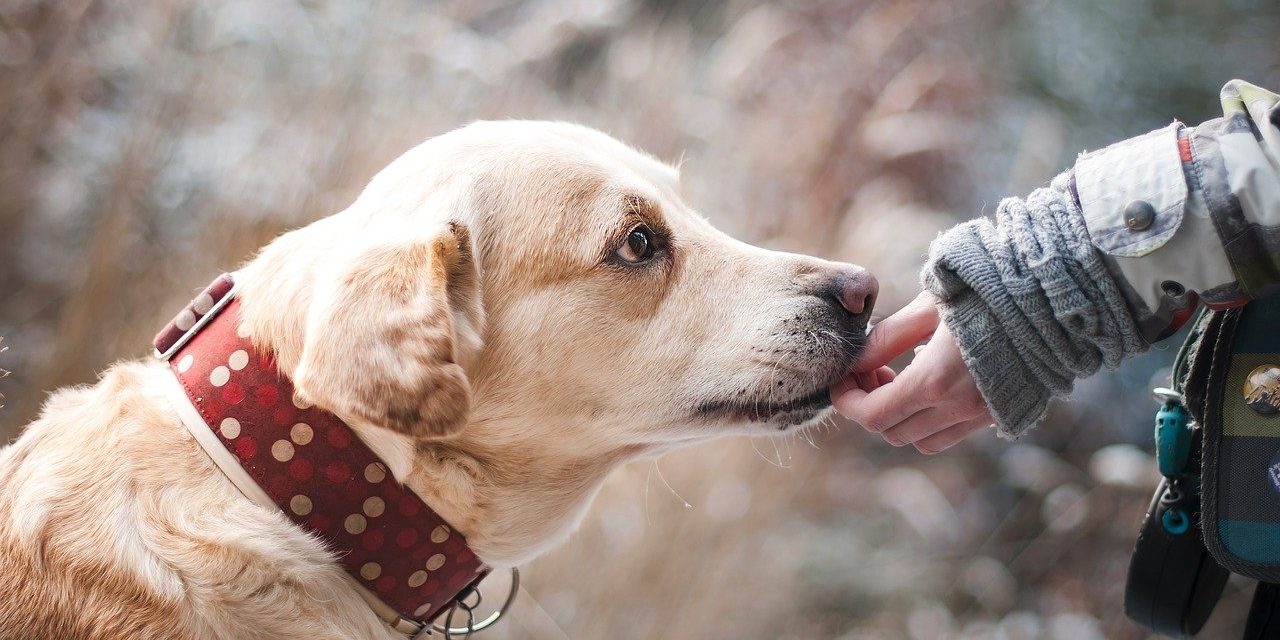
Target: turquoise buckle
[[1173, 434]]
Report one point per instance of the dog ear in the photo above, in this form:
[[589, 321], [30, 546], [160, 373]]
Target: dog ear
[[385, 331]]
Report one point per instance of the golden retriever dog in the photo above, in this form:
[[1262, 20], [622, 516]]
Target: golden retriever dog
[[507, 313]]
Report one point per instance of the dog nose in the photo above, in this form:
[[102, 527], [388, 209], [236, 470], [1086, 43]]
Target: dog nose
[[855, 289]]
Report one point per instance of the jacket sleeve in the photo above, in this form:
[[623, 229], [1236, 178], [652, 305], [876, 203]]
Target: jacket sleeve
[[1032, 305], [1183, 213], [1113, 255]]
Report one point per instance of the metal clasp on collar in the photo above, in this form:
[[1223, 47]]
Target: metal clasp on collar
[[466, 604], [199, 312]]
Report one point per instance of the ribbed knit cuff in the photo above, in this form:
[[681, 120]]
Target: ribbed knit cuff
[[1018, 401], [1031, 303]]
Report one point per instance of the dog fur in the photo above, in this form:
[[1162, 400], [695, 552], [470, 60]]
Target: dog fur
[[470, 316]]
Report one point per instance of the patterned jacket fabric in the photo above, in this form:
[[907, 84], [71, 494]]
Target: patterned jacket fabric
[[1222, 239], [1175, 216]]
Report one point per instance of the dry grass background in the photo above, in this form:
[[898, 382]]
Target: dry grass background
[[146, 146]]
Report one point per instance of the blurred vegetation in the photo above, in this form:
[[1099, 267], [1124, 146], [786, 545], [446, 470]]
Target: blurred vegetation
[[146, 146]]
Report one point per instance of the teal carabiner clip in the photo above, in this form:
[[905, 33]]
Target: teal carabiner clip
[[1173, 434]]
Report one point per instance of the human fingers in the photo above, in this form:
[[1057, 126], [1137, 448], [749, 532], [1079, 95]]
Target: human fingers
[[865, 380], [899, 332], [951, 436], [922, 424], [872, 380], [881, 408]]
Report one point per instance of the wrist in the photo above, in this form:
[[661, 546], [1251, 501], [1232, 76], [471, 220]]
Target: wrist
[[1012, 391]]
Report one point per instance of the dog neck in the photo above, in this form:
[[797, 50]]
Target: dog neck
[[513, 496], [512, 493]]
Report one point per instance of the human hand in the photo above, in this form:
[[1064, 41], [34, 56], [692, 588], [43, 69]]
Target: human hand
[[933, 403]]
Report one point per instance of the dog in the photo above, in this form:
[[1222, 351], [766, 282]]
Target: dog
[[507, 313]]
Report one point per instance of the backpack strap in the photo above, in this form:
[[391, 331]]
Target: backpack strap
[[1173, 583], [1264, 613]]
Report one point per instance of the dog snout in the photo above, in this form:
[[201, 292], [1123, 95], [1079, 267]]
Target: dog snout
[[854, 289]]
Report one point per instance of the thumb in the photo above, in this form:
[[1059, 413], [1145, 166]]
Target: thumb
[[899, 332]]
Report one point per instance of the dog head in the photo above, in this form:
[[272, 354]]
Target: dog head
[[517, 307]]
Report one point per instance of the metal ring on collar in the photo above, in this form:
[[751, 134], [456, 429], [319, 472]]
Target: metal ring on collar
[[449, 632]]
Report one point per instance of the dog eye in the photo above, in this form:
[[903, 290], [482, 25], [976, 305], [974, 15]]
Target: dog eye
[[638, 247]]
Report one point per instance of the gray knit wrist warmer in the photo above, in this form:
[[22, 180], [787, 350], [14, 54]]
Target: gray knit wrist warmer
[[1031, 304]]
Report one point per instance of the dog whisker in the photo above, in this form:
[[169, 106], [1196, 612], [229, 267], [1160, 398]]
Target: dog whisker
[[760, 453], [669, 487]]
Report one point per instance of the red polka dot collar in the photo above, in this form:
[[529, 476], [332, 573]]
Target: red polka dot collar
[[407, 562]]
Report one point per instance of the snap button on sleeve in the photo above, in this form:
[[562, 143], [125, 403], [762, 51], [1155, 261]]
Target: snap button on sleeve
[[1139, 215], [1133, 193], [1173, 289]]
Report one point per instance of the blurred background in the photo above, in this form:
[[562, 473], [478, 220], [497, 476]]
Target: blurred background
[[147, 146]]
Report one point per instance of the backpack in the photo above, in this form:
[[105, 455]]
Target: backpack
[[1217, 508]]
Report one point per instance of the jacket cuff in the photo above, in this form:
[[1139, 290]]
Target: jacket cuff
[[1030, 303], [1018, 401], [1133, 193]]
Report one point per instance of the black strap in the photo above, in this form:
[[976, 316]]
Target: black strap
[[1173, 582], [1264, 619]]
